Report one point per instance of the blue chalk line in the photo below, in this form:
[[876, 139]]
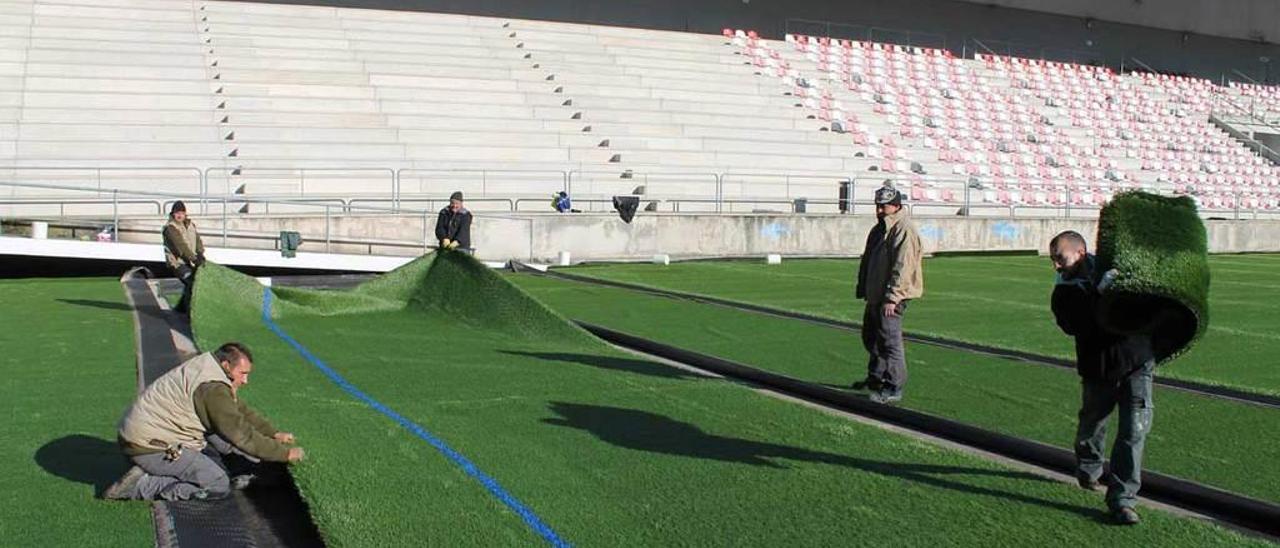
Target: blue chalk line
[[531, 519]]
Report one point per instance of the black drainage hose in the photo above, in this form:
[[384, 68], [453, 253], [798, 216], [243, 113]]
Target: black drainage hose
[[1249, 513], [1186, 386]]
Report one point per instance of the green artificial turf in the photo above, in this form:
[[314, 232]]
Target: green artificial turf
[[69, 373], [1205, 439], [1157, 249], [606, 448], [1001, 301]]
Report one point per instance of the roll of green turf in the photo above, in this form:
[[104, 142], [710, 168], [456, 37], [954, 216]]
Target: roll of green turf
[[1158, 249]]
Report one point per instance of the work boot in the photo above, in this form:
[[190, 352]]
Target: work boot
[[869, 383], [886, 395], [125, 488], [1087, 483], [1125, 516]]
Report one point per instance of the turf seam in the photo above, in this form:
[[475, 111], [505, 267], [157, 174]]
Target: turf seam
[[490, 484], [1207, 390], [1256, 515]]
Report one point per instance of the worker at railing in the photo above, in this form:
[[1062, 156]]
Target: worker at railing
[[183, 251], [453, 226]]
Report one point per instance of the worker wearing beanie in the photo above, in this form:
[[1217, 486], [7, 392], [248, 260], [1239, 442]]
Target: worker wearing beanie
[[183, 251], [453, 226]]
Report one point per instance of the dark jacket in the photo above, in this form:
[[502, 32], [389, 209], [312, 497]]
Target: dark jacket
[[454, 226], [1100, 354]]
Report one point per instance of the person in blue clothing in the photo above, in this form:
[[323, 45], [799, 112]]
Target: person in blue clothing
[[561, 202]]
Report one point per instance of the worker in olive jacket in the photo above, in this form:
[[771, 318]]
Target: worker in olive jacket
[[184, 427]]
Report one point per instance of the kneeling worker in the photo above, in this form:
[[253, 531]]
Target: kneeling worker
[[186, 422]]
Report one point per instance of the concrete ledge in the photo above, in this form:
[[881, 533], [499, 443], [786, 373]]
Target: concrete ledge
[[601, 237], [151, 253]]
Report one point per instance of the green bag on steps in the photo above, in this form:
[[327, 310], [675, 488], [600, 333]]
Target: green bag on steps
[[1153, 266]]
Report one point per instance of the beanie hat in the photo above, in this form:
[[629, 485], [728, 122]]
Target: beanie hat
[[457, 195]]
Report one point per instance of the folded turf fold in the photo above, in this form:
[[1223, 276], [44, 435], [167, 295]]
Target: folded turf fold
[[1154, 252]]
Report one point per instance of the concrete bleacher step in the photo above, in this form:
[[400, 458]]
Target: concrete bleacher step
[[114, 85], [77, 115], [120, 71], [142, 133], [127, 101], [442, 108], [543, 98], [321, 150], [691, 117], [73, 42], [726, 161], [439, 70], [299, 104], [240, 133], [480, 123], [91, 57], [116, 150], [448, 83]]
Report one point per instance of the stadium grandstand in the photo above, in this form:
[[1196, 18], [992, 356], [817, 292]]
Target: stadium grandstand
[[665, 211]]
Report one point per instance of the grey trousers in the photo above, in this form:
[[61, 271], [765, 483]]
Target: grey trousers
[[193, 473], [1132, 394], [882, 337]]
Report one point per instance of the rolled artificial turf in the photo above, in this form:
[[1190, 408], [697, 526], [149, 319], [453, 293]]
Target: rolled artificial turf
[[69, 373], [606, 448], [1203, 439], [1000, 301], [1154, 253]]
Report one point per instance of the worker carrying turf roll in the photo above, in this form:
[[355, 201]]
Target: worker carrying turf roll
[[890, 274], [1139, 302], [453, 226], [189, 429], [183, 251]]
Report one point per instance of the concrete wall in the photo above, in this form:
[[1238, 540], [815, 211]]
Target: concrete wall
[[955, 21], [1243, 19], [589, 237]]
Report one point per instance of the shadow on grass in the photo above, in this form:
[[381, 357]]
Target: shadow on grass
[[106, 305], [630, 365], [644, 431], [83, 459]]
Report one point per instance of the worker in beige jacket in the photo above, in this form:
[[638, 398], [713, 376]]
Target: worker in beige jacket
[[183, 251], [185, 429], [890, 274]]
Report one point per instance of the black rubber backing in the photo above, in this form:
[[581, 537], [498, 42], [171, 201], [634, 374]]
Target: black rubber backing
[[1185, 386], [255, 517], [1229, 507]]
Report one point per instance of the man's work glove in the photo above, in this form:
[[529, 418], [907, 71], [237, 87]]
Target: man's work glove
[[444, 244], [453, 244]]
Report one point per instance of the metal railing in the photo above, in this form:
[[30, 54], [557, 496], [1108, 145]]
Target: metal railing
[[227, 203]]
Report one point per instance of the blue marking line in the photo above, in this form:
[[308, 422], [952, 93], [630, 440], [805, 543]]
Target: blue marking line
[[531, 519]]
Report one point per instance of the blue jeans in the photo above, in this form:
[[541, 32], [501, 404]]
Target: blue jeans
[[1132, 394]]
